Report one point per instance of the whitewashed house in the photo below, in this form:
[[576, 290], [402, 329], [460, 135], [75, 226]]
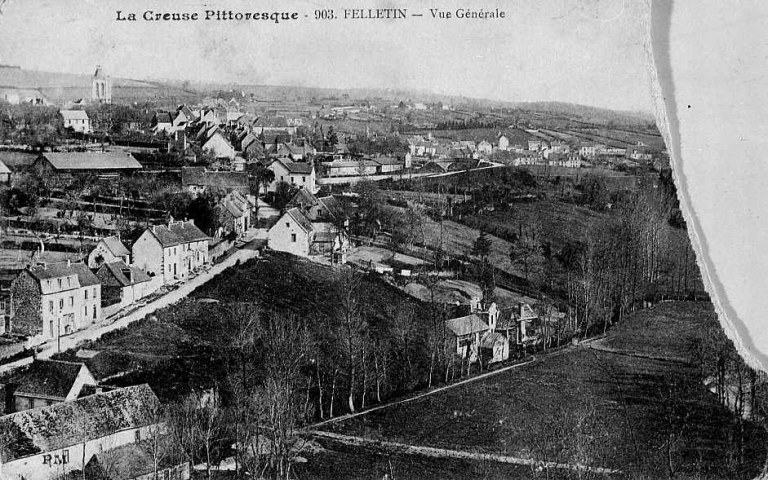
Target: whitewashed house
[[301, 175], [172, 251], [109, 249], [50, 442]]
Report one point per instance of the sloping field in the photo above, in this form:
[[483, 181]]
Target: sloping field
[[643, 416]]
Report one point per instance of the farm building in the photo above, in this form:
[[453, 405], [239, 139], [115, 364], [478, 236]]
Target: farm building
[[62, 167], [50, 442], [46, 382]]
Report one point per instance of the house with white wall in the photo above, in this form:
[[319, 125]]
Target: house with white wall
[[302, 175], [172, 251], [50, 442], [53, 300]]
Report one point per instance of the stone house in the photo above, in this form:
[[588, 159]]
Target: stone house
[[109, 249], [172, 251], [51, 300], [301, 175], [50, 442], [235, 213], [124, 284]]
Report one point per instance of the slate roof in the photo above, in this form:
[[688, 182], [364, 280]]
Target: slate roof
[[302, 220], [115, 246], [74, 114], [115, 272], [298, 167], [178, 233], [65, 424], [303, 199], [467, 325], [92, 161], [62, 269], [48, 378]]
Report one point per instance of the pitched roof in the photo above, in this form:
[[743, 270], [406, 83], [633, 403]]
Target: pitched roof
[[117, 271], [92, 160], [466, 325], [299, 218], [49, 378], [115, 246], [62, 269], [303, 199], [298, 167], [177, 233], [65, 424], [74, 114]]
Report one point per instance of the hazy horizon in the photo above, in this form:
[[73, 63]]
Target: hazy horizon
[[590, 53]]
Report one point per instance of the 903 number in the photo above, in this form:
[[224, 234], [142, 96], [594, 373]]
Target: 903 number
[[324, 15]]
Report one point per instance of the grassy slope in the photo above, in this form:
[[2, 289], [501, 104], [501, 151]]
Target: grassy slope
[[180, 349], [626, 403]]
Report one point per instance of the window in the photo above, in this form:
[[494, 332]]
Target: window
[[94, 312], [30, 403], [138, 435], [61, 304], [85, 311], [293, 237], [293, 180], [50, 329], [287, 225], [69, 282], [86, 294], [95, 294], [71, 301], [59, 284], [50, 306]]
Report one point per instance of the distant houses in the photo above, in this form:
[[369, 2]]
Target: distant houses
[[76, 120]]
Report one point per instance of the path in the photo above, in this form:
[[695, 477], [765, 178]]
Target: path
[[405, 449], [96, 331], [599, 346], [476, 378]]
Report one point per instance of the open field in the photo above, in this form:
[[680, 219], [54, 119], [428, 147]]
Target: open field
[[606, 409]]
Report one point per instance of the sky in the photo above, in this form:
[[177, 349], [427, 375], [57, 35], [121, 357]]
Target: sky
[[581, 51]]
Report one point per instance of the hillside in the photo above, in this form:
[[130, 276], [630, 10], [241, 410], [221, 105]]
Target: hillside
[[60, 87]]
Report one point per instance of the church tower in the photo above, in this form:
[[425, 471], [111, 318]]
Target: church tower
[[101, 87]]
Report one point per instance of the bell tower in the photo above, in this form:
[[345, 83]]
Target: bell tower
[[101, 87]]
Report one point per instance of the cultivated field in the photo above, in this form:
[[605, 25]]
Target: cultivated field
[[643, 416]]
